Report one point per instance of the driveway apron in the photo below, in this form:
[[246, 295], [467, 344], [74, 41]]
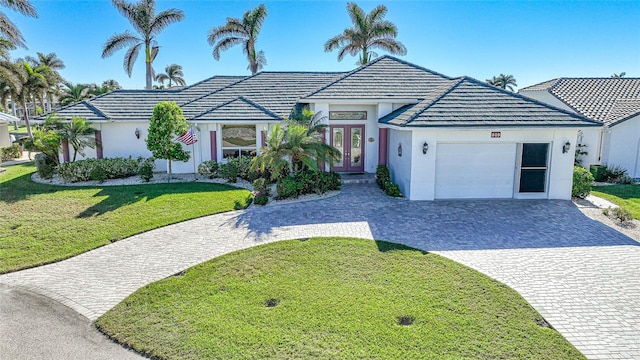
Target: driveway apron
[[581, 275]]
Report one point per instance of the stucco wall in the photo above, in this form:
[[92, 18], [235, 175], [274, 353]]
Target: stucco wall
[[5, 140], [400, 166], [622, 146], [422, 167]]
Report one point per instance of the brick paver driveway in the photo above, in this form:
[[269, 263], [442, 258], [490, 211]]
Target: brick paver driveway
[[582, 276]]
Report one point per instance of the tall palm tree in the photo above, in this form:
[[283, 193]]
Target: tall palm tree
[[174, 74], [369, 31], [54, 79], [618, 76], [243, 31], [143, 18], [24, 82], [74, 93], [5, 95], [8, 30], [503, 82]]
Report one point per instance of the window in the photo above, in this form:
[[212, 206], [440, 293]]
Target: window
[[238, 140]]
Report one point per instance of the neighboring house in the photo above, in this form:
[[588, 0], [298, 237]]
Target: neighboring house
[[614, 102], [441, 137]]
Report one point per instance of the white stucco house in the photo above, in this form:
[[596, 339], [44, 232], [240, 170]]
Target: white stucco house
[[614, 102], [441, 137], [5, 137]]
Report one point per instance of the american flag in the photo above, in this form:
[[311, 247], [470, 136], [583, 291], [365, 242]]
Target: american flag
[[188, 137]]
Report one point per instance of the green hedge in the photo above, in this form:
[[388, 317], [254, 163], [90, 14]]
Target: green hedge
[[383, 179], [10, 152], [104, 169], [308, 182]]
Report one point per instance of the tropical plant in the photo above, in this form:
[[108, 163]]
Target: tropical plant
[[110, 85], [74, 93], [291, 149], [620, 75], [25, 82], [167, 123], [243, 31], [8, 30], [369, 31], [78, 133], [503, 82], [173, 73], [54, 79], [47, 142], [142, 16]]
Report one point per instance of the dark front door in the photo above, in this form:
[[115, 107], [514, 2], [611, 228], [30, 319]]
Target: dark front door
[[349, 140], [533, 168]]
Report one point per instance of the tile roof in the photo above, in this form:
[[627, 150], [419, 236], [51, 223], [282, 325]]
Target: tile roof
[[608, 100], [469, 102], [384, 78], [238, 109], [4, 117]]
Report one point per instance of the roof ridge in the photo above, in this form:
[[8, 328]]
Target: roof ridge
[[525, 98], [96, 109], [540, 83], [207, 79], [218, 90], [239, 98]]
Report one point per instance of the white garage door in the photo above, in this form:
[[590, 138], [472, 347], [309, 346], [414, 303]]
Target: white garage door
[[475, 171]]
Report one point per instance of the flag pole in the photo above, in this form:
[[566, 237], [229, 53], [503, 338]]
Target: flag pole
[[193, 151]]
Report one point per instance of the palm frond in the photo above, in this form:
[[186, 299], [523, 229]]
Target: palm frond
[[130, 58], [377, 14], [164, 19], [334, 43], [224, 31], [118, 42], [24, 7], [357, 15], [391, 45], [10, 31], [225, 44]]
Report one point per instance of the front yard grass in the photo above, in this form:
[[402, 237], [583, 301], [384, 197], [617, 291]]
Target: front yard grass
[[334, 298], [627, 196], [40, 224]]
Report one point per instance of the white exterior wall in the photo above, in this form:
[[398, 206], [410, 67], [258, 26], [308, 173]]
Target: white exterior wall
[[5, 140], [622, 146], [371, 131], [400, 166], [422, 167]]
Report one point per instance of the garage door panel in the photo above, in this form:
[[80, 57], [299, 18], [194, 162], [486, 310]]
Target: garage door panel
[[475, 171]]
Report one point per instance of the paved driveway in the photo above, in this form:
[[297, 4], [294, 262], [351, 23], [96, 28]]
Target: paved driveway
[[582, 276]]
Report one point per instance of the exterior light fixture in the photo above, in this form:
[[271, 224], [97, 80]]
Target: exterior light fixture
[[400, 149], [566, 147], [425, 148], [137, 133]]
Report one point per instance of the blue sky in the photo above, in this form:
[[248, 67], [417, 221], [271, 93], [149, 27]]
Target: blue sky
[[532, 40]]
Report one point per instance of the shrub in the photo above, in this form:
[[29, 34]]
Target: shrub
[[392, 189], [229, 171], [99, 169], [261, 187], [44, 166], [621, 214], [10, 152], [146, 168], [582, 181], [289, 187], [243, 166], [261, 200], [616, 174], [209, 168], [382, 175]]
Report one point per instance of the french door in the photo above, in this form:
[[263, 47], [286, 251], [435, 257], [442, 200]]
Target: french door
[[349, 140]]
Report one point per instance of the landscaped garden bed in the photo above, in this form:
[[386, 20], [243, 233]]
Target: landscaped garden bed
[[626, 196], [42, 223], [332, 298]]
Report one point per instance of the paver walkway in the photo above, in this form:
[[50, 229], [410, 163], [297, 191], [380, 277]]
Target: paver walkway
[[582, 276]]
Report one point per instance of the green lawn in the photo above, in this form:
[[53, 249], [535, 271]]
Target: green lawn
[[40, 224], [338, 298], [627, 196], [21, 129]]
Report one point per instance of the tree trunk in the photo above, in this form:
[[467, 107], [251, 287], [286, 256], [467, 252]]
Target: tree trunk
[[169, 178], [148, 63], [26, 118]]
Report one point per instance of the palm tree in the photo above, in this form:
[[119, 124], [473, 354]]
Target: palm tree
[[78, 134], [618, 76], [173, 73], [24, 82], [369, 31], [143, 18], [110, 85], [8, 30], [5, 95], [54, 79], [74, 93], [503, 82], [243, 31]]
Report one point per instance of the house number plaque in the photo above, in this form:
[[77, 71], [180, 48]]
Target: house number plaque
[[347, 115], [496, 134]]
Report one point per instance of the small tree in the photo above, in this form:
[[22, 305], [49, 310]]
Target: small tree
[[78, 134], [167, 123]]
